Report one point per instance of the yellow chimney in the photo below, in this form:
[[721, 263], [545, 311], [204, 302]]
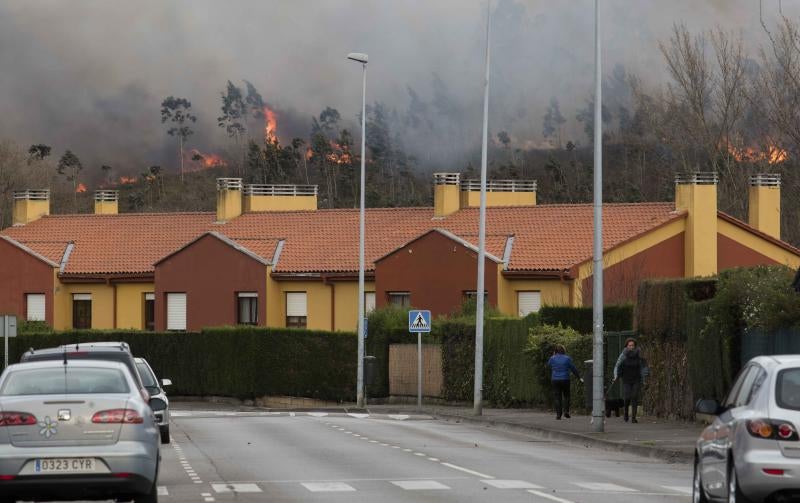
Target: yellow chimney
[[499, 193], [280, 197], [446, 193], [229, 198], [696, 193], [30, 205], [106, 202], [765, 203]]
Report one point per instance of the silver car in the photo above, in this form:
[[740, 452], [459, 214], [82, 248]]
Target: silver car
[[751, 451], [76, 429], [158, 397]]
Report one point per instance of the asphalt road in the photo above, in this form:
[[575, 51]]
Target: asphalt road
[[224, 455]]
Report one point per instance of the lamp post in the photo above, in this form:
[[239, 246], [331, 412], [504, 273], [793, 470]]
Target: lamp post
[[361, 58]]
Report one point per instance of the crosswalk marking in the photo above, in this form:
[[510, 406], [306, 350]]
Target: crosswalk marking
[[605, 487], [511, 484], [680, 489], [236, 488], [548, 496], [419, 485], [162, 491], [324, 487]]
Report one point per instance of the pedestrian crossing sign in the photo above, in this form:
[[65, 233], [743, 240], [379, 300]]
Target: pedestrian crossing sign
[[419, 321]]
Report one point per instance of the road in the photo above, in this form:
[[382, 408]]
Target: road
[[224, 455]]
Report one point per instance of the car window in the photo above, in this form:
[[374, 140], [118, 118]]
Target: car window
[[787, 389], [148, 379], [730, 401], [52, 381], [759, 377]]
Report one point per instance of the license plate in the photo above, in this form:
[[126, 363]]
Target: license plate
[[64, 465]]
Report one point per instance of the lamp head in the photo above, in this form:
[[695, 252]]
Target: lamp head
[[358, 56]]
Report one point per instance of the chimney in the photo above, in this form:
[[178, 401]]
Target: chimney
[[499, 193], [764, 212], [106, 202], [260, 197], [445, 193], [696, 193], [229, 199], [30, 205]]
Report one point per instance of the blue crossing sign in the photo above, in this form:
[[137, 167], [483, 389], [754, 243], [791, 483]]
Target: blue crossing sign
[[419, 321]]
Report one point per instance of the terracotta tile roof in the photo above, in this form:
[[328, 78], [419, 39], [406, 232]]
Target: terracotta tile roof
[[51, 250]]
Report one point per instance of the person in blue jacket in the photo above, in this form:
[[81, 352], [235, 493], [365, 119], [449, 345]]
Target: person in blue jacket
[[561, 365]]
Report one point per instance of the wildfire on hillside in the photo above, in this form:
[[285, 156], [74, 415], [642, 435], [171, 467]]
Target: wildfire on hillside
[[338, 154], [81, 188], [127, 180], [270, 125], [198, 161], [772, 154]]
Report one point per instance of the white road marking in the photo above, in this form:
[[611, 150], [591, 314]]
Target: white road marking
[[208, 500], [236, 488], [433, 459], [605, 487], [419, 485], [358, 416], [162, 491], [680, 489], [384, 445], [325, 487], [292, 414], [318, 414], [407, 450], [419, 454], [399, 417], [373, 441], [205, 495], [467, 470], [548, 496], [511, 484]]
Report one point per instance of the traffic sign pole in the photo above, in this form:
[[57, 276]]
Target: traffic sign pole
[[419, 322], [419, 370]]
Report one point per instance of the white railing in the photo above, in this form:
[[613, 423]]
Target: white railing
[[229, 184], [106, 195], [446, 178], [280, 190], [500, 185], [33, 195], [697, 178], [765, 180]]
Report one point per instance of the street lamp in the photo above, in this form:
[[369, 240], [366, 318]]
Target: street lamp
[[361, 58]]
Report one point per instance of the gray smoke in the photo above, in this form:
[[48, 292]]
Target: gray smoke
[[90, 75]]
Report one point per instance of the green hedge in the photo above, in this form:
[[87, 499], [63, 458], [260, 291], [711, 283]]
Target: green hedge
[[509, 376], [238, 362], [615, 318], [661, 306]]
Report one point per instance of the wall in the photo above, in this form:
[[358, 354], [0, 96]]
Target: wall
[[472, 199], [102, 304], [279, 203], [554, 292], [750, 246], [211, 273], [346, 304], [130, 304], [436, 271], [21, 273], [318, 302]]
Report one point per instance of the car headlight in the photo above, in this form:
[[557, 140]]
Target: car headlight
[[157, 404]]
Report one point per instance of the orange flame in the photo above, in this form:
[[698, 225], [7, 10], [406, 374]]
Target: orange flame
[[309, 154], [81, 188], [339, 155], [127, 180], [198, 161], [270, 125], [772, 154]]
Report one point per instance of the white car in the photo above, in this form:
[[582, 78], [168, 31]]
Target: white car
[[158, 397]]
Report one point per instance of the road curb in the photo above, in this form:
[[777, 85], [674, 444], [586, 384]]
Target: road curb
[[571, 438]]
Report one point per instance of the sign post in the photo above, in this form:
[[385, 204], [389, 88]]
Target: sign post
[[9, 326], [419, 322]]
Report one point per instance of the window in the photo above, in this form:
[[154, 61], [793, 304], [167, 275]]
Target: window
[[81, 310], [34, 307], [743, 397], [296, 310], [150, 311], [528, 302], [787, 389], [401, 299], [369, 302], [176, 311], [66, 381], [473, 295], [730, 401], [247, 308]]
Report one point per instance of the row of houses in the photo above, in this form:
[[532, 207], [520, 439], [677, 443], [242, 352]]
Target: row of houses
[[269, 257]]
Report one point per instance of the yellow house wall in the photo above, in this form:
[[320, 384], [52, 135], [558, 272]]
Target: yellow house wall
[[318, 302], [554, 292], [445, 200], [280, 203], [130, 304], [229, 205], [106, 207], [472, 199], [764, 212], [762, 246], [346, 305], [26, 211], [701, 203], [102, 304]]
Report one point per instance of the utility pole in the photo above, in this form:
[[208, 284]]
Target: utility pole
[[477, 406], [597, 272]]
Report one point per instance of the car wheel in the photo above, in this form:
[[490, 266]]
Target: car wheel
[[734, 491], [165, 435], [698, 493]]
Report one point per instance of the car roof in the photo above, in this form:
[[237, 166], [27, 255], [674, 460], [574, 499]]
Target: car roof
[[777, 360], [70, 363], [88, 346]]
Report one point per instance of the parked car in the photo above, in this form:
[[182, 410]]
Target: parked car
[[751, 450], [76, 429], [158, 397]]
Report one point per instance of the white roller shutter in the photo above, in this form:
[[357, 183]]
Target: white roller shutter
[[529, 302], [369, 302], [176, 311], [149, 296], [35, 308], [296, 304], [81, 296]]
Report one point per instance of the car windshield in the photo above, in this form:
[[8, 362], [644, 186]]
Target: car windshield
[[68, 381], [148, 379], [787, 389]]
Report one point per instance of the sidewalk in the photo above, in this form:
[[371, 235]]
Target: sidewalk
[[651, 437]]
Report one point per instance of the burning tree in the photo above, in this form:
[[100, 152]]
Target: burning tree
[[178, 112], [70, 166]]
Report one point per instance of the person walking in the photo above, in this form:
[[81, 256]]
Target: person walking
[[632, 367], [560, 366]]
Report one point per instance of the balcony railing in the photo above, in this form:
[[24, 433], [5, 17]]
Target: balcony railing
[[33, 195], [446, 178], [500, 185], [106, 195], [697, 178], [280, 190], [765, 180], [229, 184]]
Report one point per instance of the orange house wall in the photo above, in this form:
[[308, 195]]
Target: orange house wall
[[731, 253], [20, 274]]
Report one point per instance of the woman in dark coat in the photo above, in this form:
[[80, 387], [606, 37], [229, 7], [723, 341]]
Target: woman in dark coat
[[632, 367]]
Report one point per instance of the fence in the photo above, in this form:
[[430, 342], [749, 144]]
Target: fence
[[403, 370], [781, 342]]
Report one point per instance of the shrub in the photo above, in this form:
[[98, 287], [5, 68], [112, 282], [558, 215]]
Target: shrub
[[615, 318], [540, 346]]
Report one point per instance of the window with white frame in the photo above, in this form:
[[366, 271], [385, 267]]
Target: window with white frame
[[81, 310], [176, 311], [247, 308], [528, 302], [149, 311], [35, 307], [400, 299], [296, 310], [369, 302]]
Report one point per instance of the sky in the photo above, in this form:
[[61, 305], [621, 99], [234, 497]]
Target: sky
[[89, 75]]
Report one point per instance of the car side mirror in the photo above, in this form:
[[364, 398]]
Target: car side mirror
[[166, 382], [709, 407]]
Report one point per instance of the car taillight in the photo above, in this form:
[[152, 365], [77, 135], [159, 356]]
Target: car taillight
[[772, 429], [128, 416], [17, 419]]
